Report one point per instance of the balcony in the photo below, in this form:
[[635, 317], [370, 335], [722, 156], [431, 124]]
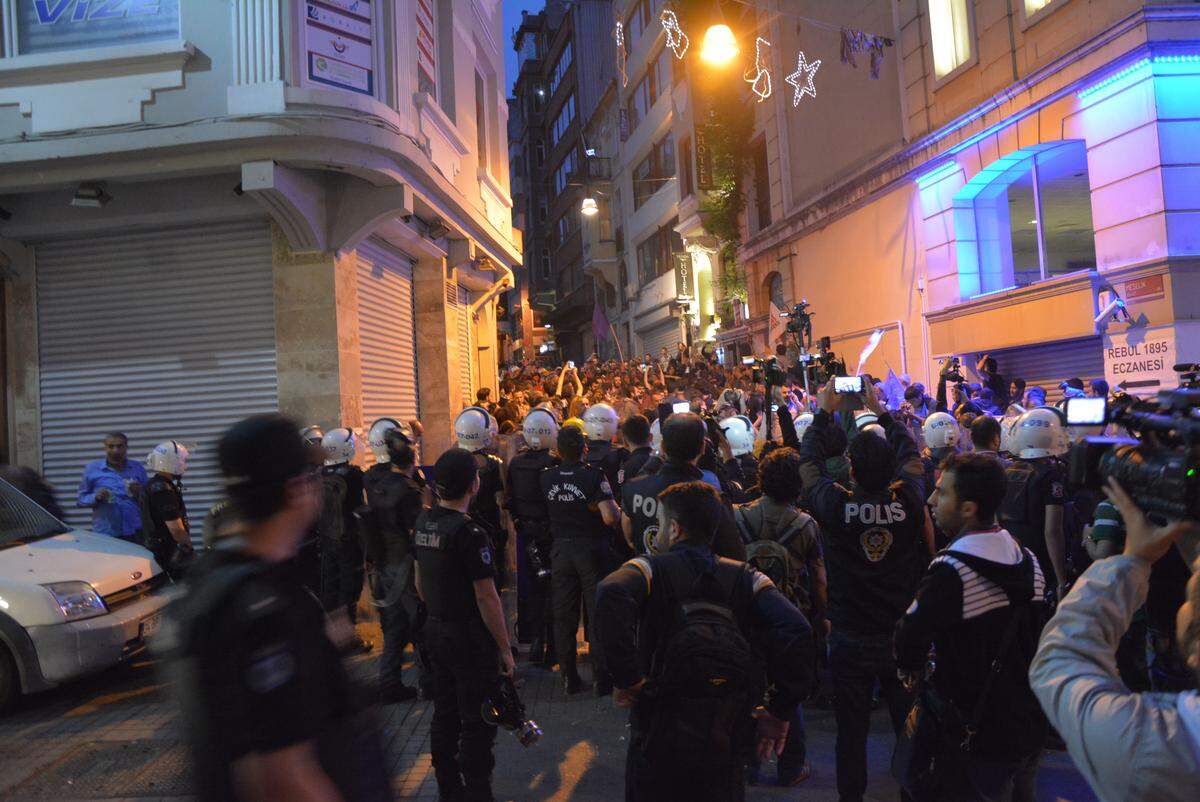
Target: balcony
[[574, 305]]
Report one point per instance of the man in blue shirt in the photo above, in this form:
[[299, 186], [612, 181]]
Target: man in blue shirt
[[111, 486]]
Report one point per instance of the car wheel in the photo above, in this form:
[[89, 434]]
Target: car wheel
[[10, 680]]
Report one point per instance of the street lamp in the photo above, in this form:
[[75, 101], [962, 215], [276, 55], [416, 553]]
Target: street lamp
[[720, 45], [589, 208]]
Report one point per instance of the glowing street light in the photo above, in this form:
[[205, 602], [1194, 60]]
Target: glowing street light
[[589, 208], [720, 45]]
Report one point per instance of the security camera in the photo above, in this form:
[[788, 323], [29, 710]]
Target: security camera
[[1115, 308]]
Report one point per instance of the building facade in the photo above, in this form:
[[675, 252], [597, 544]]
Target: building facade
[[1016, 167], [215, 209]]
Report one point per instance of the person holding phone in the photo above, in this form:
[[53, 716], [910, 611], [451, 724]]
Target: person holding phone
[[111, 487]]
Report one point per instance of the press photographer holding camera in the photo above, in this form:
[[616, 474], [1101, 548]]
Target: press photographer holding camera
[[1130, 745]]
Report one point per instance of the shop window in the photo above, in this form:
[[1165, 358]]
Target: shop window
[[1025, 218], [1034, 10], [950, 35]]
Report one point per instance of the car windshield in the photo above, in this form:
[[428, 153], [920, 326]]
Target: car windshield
[[22, 520]]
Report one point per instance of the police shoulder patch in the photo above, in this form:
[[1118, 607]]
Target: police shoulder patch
[[485, 555]]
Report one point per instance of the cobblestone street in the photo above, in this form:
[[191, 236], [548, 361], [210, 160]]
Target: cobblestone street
[[116, 736]]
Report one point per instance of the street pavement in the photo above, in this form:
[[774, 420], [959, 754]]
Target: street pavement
[[116, 736]]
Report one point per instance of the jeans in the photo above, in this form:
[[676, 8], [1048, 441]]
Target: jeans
[[857, 662], [465, 672], [578, 567]]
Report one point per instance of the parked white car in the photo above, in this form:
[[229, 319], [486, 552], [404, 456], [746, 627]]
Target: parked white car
[[71, 602]]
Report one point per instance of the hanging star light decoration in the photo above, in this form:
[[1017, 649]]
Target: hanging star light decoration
[[677, 40], [802, 78], [619, 33], [759, 77]]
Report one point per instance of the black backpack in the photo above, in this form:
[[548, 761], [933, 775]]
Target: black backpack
[[706, 679], [334, 490]]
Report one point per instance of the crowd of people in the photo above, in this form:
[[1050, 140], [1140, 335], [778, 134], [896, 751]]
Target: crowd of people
[[723, 548]]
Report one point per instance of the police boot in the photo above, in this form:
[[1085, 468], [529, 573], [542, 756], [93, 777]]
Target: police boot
[[572, 683]]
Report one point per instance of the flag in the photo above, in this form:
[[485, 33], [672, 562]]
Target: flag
[[776, 327], [894, 388], [599, 323], [867, 350]]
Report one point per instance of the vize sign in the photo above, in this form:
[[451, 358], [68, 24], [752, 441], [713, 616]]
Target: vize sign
[[45, 26]]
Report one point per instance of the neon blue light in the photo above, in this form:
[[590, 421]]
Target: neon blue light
[[1136, 67], [937, 173]]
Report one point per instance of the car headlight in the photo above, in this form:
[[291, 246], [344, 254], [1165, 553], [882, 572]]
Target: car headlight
[[77, 600]]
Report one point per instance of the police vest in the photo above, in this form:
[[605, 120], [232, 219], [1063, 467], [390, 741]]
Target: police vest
[[386, 537], [483, 505], [639, 500], [526, 501], [449, 595], [603, 455], [1023, 512]]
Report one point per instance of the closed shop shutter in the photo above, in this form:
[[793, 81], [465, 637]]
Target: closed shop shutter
[[386, 334], [161, 335], [458, 297], [663, 335], [1047, 364]]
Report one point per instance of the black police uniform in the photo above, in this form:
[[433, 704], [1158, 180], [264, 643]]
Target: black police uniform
[[637, 612], [527, 506], [453, 552], [639, 501], [162, 501], [609, 458], [341, 555], [579, 553], [1034, 485], [486, 510], [874, 556], [258, 674], [634, 464], [394, 501]]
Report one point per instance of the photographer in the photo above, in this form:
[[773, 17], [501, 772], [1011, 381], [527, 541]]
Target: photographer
[[1129, 746]]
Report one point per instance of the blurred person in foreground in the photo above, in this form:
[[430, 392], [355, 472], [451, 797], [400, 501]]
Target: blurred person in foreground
[[1129, 746], [269, 711]]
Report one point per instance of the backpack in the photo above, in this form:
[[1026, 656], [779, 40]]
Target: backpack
[[332, 523], [1015, 513], [769, 554], [706, 679]]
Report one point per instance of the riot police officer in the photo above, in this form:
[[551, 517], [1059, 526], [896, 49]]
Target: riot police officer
[[394, 500], [600, 425], [465, 630], [527, 507], [475, 430], [581, 508], [741, 467], [636, 432], [165, 526], [341, 550]]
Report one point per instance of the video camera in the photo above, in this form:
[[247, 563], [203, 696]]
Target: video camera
[[766, 371], [503, 708], [952, 371], [799, 324], [1161, 468]]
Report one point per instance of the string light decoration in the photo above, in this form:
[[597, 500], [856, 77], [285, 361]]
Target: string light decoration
[[677, 40], [759, 77], [802, 78], [619, 33]]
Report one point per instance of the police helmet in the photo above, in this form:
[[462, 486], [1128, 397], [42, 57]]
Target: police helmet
[[1039, 433], [802, 423], [600, 422], [377, 437], [656, 438], [312, 435], [473, 429], [540, 429], [739, 431], [340, 446], [875, 429], [864, 418], [168, 457], [941, 430]]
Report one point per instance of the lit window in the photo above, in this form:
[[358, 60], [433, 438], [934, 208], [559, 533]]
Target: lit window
[[950, 32], [1034, 6]]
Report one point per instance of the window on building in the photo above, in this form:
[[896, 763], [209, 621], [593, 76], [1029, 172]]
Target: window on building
[[950, 34], [1030, 218], [637, 22], [687, 174], [762, 186], [481, 118], [775, 291], [647, 91], [566, 116], [546, 263], [623, 281], [562, 175], [567, 225], [539, 154], [427, 46], [656, 253], [652, 172], [1033, 8], [560, 68]]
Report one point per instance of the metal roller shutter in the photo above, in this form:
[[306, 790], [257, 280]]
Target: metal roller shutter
[[458, 296], [162, 335], [1047, 364], [386, 334], [664, 334]]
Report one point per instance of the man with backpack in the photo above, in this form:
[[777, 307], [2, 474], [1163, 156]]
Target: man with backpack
[[342, 570], [784, 544], [692, 641]]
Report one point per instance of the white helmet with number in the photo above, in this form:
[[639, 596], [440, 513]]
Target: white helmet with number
[[864, 418], [941, 431], [377, 437], [739, 431], [312, 434], [656, 438], [802, 423], [340, 446], [600, 422], [473, 429], [168, 457], [1039, 433], [540, 429]]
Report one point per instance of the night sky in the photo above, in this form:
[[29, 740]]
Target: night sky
[[512, 18]]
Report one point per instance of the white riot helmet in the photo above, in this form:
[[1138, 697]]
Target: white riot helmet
[[941, 430], [864, 418], [802, 423], [540, 429], [168, 457], [656, 438], [312, 435], [340, 446], [1008, 425], [600, 422], [473, 429], [377, 437], [739, 431], [1039, 433]]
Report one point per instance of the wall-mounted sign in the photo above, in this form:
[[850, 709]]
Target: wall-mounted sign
[[45, 26], [1144, 288], [339, 42], [684, 277], [1141, 361], [704, 161]]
